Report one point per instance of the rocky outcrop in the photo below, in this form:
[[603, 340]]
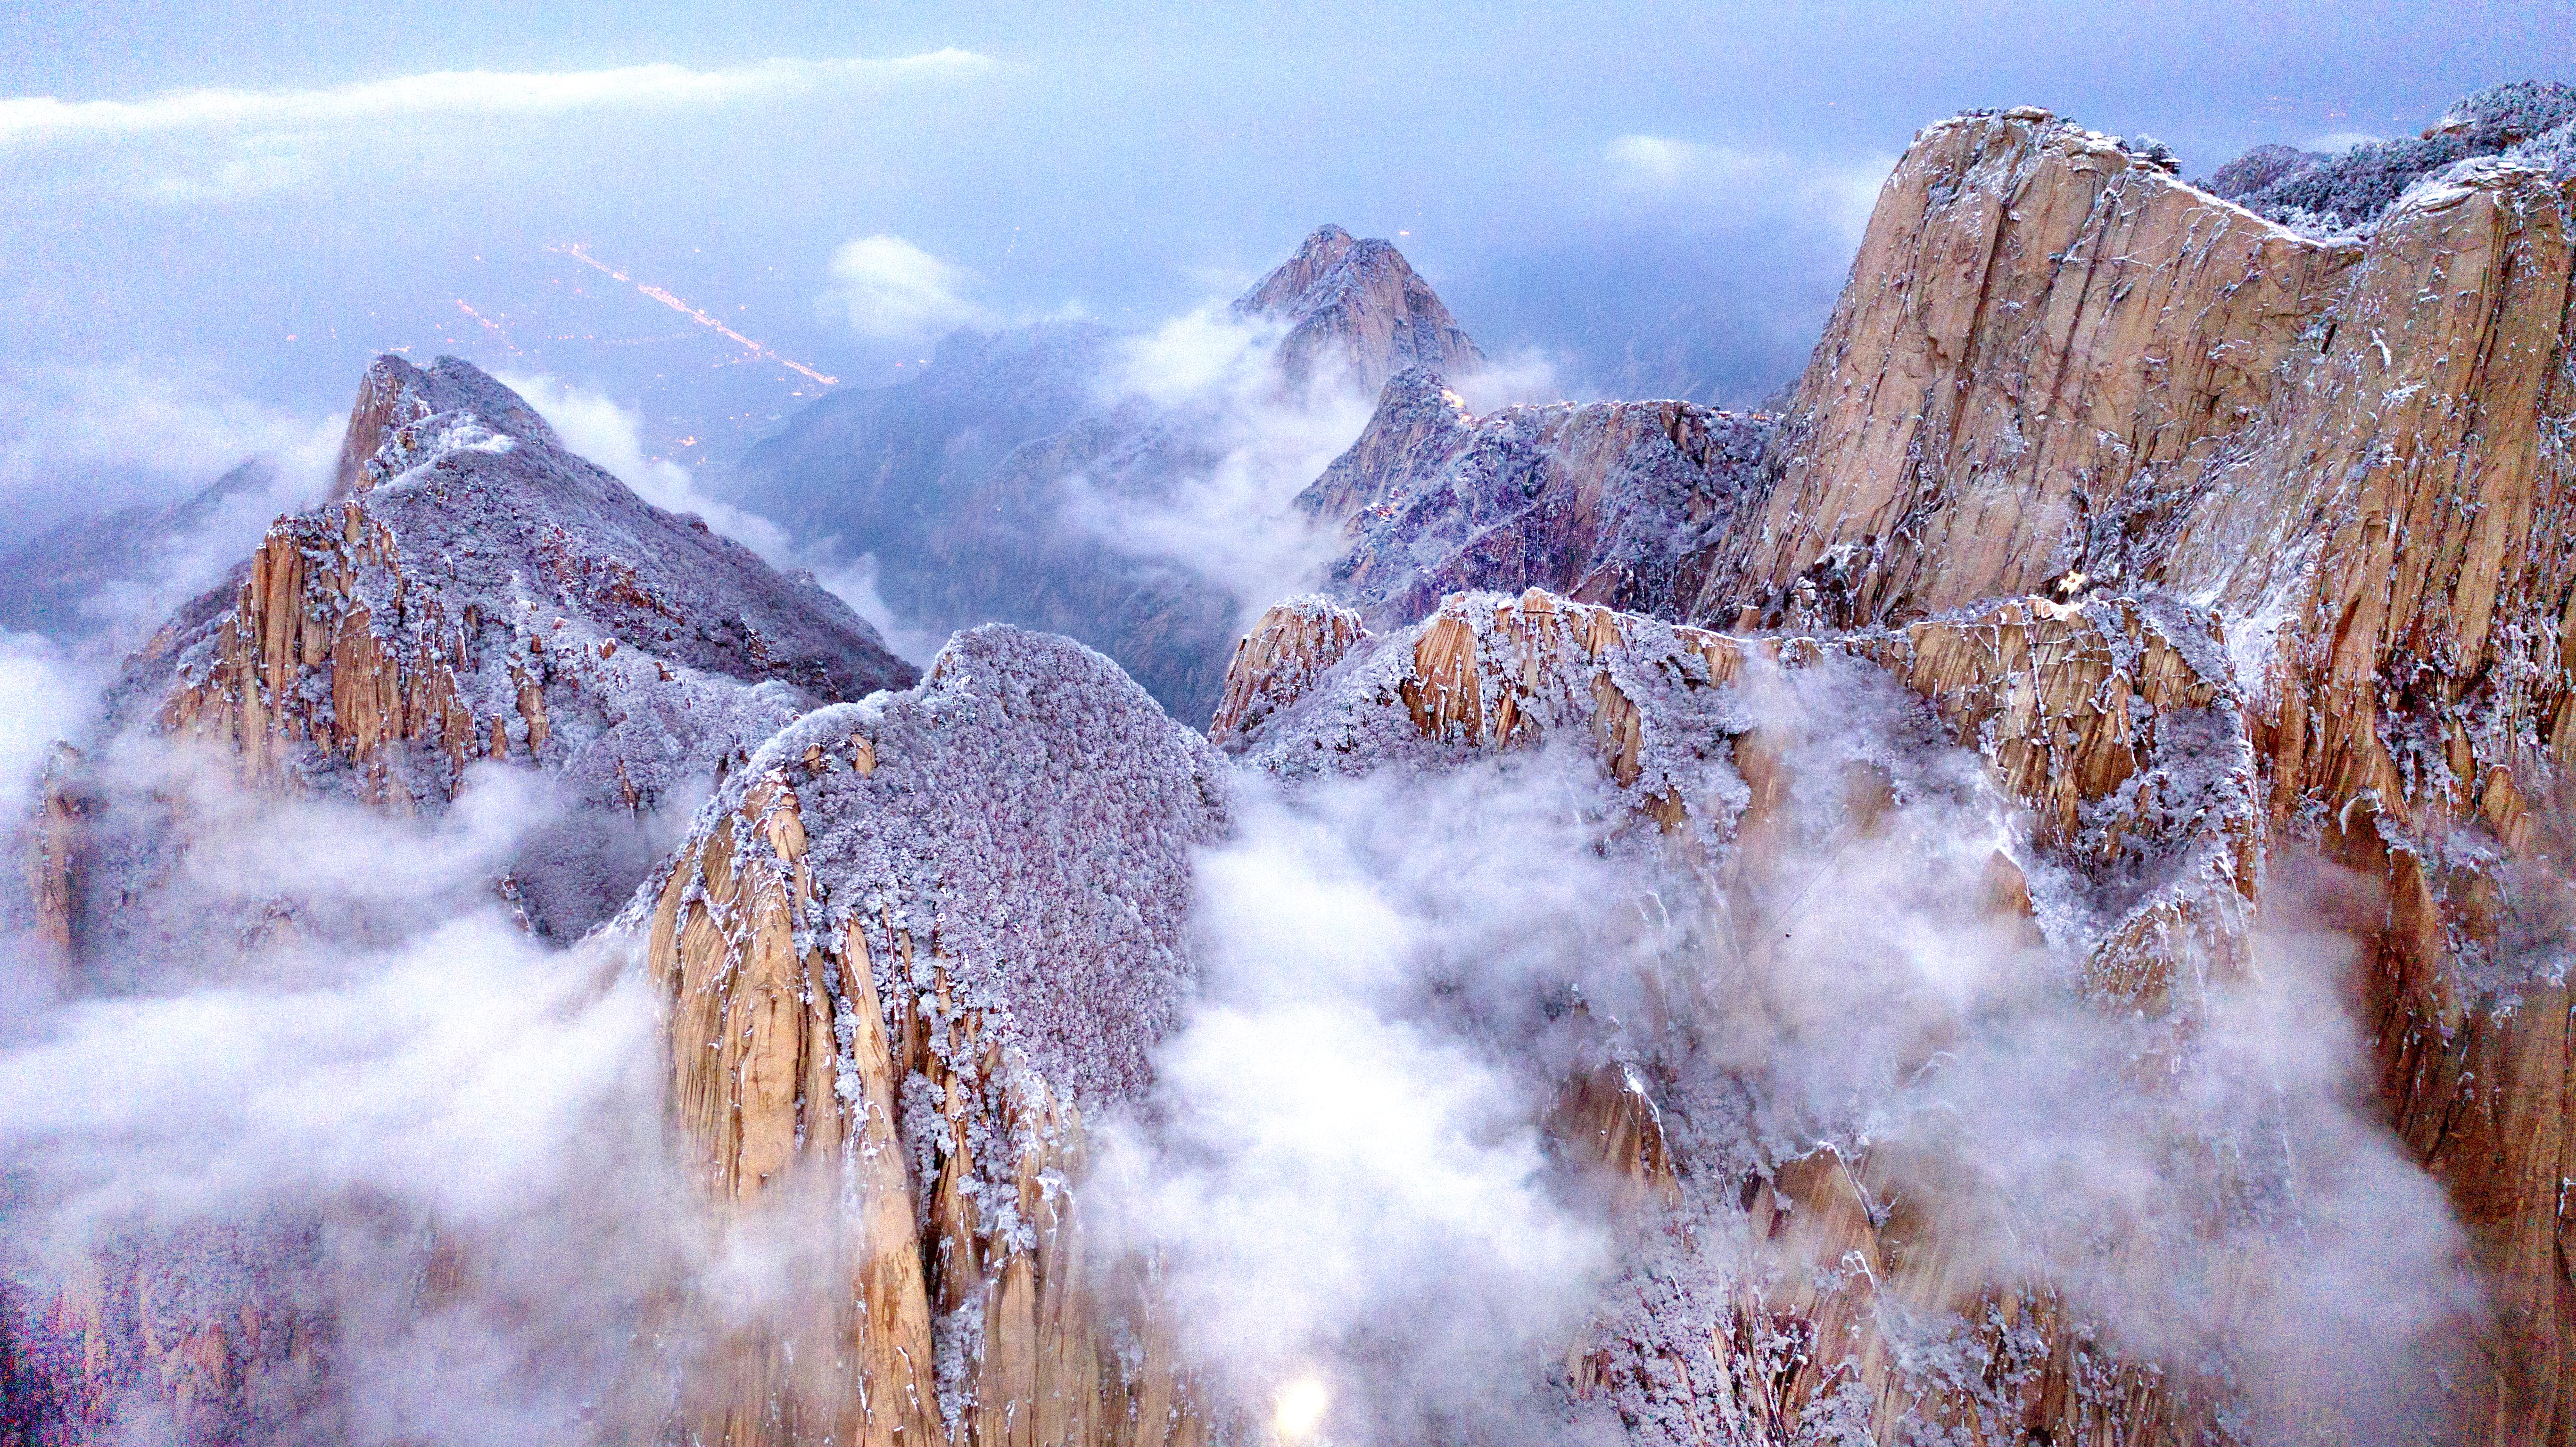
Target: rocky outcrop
[[2114, 724], [2349, 193], [1279, 660], [204, 1333], [2040, 334], [1360, 305], [469, 597], [911, 948], [478, 593], [1610, 502], [475, 595], [2349, 445]]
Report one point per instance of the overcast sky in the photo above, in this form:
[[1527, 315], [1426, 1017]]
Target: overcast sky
[[241, 204]]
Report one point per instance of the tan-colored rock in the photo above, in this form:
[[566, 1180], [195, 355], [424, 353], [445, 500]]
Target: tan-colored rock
[[2055, 365], [2042, 335], [1278, 660], [54, 842], [841, 1033]]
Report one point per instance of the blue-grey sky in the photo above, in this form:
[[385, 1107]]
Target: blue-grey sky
[[1659, 196]]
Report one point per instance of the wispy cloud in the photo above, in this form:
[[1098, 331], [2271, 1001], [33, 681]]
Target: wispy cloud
[[38, 120], [890, 289], [81, 440], [1748, 183]]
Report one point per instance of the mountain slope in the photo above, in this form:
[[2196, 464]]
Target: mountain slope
[[964, 484], [474, 593], [1360, 305], [1607, 502], [954, 920], [2352, 449], [478, 621]]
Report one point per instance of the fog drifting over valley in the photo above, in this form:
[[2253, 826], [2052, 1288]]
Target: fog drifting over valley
[[331, 1054]]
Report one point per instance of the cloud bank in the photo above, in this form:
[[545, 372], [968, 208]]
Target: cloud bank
[[1352, 1182], [1210, 488], [36, 120]]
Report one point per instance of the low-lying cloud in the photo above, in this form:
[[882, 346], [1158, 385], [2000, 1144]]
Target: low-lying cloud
[[1341, 1177], [1225, 444], [318, 1083], [1350, 1181]]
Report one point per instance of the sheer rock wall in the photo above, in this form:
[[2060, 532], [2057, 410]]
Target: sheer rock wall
[[904, 950], [2058, 368]]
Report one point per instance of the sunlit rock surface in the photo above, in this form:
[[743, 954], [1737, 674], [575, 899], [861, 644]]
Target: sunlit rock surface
[[476, 593]]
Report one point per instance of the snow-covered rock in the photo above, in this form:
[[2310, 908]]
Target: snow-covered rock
[[912, 945], [1608, 502]]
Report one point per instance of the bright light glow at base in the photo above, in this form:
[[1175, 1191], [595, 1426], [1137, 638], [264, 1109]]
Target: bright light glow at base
[[1301, 1408]]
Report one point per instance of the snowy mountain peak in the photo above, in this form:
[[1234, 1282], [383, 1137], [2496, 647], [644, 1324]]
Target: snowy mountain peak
[[1278, 293], [1364, 300], [405, 415]]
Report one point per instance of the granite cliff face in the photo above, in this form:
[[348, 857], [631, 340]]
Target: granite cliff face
[[2057, 367], [909, 950], [795, 964]]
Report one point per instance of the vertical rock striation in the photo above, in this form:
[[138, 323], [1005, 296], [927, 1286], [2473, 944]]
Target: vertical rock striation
[[911, 946], [2058, 368]]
